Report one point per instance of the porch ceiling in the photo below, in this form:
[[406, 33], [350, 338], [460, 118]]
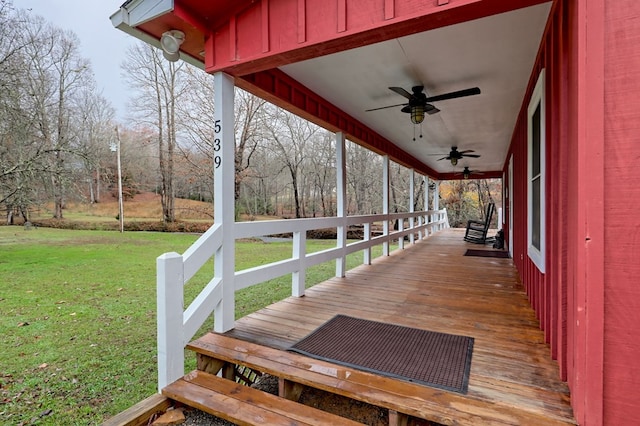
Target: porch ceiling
[[495, 53]]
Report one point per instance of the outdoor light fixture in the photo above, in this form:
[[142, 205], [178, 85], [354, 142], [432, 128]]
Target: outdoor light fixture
[[170, 43], [466, 173], [417, 114]]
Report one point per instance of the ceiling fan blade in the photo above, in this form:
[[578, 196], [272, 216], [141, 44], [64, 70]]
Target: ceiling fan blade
[[384, 107], [444, 158], [453, 95], [471, 155], [400, 91], [430, 109], [465, 151]]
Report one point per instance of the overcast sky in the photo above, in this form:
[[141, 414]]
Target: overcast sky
[[100, 42]]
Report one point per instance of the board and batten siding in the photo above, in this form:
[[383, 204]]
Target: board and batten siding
[[588, 300], [621, 205]]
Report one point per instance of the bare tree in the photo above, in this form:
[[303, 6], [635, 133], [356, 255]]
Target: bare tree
[[95, 131], [43, 75], [20, 156], [364, 180], [56, 75], [289, 137], [320, 173], [158, 85]]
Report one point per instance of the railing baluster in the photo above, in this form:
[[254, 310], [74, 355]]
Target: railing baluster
[[299, 252], [367, 237]]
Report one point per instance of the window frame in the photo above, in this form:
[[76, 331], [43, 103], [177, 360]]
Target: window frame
[[537, 254]]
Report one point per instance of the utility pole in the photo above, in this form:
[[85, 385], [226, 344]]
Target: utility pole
[[116, 147]]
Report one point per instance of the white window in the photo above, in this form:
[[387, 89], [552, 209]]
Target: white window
[[536, 175]]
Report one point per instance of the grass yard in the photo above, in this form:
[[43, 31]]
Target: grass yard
[[78, 317]]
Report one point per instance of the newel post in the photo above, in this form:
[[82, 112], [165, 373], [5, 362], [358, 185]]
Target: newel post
[[170, 303]]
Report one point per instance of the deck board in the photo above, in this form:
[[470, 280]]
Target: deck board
[[432, 285]]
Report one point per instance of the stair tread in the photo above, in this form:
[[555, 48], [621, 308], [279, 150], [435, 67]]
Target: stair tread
[[245, 405]]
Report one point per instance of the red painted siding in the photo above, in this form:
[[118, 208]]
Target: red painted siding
[[294, 30], [588, 302], [567, 297], [622, 204], [549, 293]]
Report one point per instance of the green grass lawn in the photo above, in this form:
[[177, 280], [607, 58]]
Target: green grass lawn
[[78, 317]]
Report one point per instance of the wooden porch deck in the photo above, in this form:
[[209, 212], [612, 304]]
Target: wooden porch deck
[[433, 286]]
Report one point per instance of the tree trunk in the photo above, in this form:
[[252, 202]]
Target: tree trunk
[[296, 195]]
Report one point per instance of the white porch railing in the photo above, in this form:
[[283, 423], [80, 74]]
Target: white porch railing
[[177, 326]]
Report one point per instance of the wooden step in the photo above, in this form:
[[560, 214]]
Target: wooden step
[[244, 405], [141, 413], [401, 398]]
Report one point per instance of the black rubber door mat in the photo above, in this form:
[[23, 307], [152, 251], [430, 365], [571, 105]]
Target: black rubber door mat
[[431, 358]]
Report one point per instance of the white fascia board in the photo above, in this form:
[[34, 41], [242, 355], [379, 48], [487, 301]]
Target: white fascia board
[[138, 12]]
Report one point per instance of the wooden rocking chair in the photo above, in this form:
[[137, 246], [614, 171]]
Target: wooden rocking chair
[[477, 230]]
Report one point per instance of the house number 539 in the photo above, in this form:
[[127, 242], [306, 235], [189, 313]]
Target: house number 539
[[217, 129]]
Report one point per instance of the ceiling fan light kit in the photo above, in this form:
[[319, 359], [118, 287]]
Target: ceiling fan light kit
[[455, 155], [466, 173], [419, 105], [417, 114]]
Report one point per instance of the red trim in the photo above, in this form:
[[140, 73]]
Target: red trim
[[302, 21], [590, 219], [389, 9], [266, 40], [342, 16], [233, 43]]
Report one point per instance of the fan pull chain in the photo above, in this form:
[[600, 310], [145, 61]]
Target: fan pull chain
[[414, 132]]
